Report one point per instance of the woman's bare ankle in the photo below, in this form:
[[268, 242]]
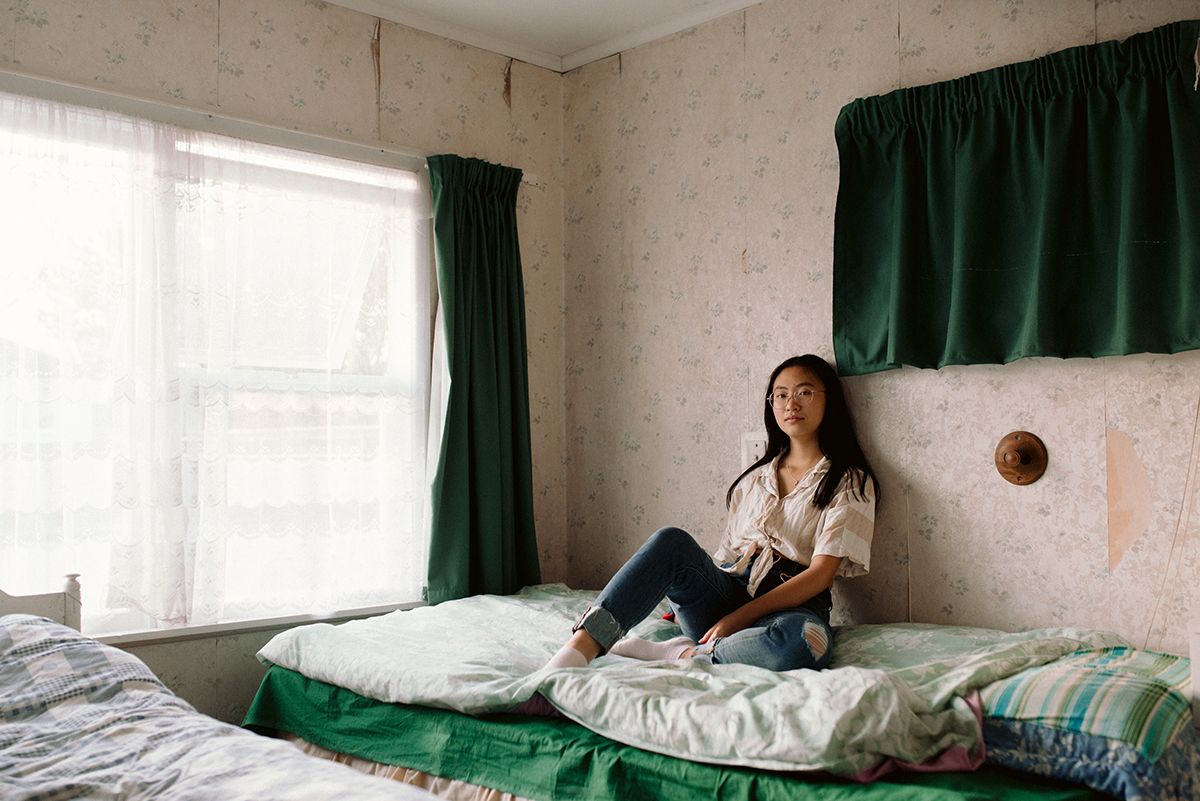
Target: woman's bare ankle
[[585, 644]]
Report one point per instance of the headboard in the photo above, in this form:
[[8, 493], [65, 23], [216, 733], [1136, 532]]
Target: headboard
[[1195, 655], [61, 607]]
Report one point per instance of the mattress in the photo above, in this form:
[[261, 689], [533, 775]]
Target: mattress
[[441, 690], [553, 759]]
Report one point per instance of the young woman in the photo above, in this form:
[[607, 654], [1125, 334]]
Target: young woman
[[799, 517]]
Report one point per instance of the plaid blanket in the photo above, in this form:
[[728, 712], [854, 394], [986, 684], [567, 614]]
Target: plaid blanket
[[79, 719], [1141, 698]]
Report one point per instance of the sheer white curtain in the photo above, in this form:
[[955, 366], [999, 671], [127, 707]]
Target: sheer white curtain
[[214, 371]]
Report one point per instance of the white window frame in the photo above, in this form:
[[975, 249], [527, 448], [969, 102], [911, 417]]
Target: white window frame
[[382, 154]]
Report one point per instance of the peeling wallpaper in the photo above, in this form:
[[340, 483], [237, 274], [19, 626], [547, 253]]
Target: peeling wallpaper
[[701, 180], [678, 244]]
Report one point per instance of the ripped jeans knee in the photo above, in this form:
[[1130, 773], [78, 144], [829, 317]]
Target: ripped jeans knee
[[787, 640], [817, 637]]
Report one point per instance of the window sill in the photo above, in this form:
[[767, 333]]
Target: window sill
[[162, 636]]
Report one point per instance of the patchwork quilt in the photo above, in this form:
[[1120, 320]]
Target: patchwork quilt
[[1137, 697], [79, 719]]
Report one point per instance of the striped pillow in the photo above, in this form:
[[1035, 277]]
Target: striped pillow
[[1139, 697]]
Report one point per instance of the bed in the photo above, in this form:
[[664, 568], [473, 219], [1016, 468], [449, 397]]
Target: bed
[[79, 719], [63, 607], [457, 693]]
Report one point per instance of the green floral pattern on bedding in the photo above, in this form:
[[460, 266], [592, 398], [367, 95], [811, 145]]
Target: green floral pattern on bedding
[[942, 660], [893, 692]]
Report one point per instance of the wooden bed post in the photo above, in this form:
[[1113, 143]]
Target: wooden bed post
[[61, 607], [1194, 653], [73, 601]]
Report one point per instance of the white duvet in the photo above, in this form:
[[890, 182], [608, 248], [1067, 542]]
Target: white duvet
[[893, 692]]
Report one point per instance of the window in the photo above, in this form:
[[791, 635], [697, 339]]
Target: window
[[214, 372]]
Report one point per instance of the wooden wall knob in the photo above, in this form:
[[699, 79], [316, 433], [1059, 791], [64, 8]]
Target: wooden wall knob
[[1021, 458]]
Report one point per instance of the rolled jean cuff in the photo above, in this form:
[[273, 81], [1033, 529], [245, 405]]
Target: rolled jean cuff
[[599, 622]]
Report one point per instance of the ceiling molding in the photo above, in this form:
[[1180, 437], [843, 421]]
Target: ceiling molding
[[454, 31], [650, 33], [464, 30]]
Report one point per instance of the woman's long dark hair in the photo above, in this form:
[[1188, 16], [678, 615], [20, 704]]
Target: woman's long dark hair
[[836, 435]]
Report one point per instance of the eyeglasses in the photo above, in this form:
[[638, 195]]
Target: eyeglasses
[[803, 396]]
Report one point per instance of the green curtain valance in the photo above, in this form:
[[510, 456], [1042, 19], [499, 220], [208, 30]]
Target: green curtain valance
[[1047, 208]]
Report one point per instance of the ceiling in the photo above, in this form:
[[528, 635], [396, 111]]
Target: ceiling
[[559, 35]]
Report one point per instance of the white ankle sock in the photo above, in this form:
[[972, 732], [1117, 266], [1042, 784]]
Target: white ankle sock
[[567, 657], [652, 651]]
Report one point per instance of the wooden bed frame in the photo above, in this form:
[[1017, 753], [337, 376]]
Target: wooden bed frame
[[61, 607], [1194, 653]]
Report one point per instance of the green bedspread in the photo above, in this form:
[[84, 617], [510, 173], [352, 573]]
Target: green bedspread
[[560, 760], [892, 692]]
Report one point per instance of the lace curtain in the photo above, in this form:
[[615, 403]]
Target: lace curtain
[[214, 372]]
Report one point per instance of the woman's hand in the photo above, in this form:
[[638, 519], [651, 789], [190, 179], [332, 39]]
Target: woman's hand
[[732, 623], [797, 590]]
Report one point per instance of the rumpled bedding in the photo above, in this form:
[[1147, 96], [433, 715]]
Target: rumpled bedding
[[893, 692], [79, 719]]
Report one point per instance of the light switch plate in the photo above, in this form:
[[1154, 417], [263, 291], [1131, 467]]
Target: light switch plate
[[754, 445]]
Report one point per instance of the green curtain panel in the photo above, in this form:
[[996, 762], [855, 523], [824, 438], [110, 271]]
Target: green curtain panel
[[1047, 208], [483, 537]]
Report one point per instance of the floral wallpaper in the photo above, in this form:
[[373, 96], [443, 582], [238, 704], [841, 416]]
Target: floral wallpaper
[[701, 182], [677, 244]]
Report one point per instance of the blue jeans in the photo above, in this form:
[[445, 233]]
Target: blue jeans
[[673, 565]]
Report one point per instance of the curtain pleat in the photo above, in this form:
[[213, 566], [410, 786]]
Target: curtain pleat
[[1047, 208], [483, 538]]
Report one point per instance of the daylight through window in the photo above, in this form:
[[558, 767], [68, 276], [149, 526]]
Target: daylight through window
[[214, 372]]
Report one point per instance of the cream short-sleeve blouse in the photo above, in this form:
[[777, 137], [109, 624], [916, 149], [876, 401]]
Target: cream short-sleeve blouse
[[761, 521]]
